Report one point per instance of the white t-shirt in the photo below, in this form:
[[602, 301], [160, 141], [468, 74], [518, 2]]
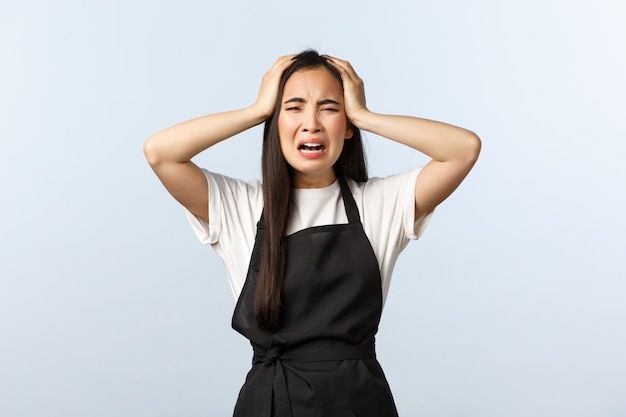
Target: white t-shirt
[[386, 207]]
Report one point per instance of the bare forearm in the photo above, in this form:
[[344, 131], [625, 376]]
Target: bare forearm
[[440, 141], [183, 141]]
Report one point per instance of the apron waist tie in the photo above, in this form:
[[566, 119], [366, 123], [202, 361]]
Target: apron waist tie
[[276, 381]]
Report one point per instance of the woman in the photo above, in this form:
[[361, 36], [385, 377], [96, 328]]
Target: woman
[[311, 277]]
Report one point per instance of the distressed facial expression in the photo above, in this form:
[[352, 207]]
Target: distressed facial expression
[[312, 126]]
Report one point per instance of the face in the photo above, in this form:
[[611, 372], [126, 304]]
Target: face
[[312, 126]]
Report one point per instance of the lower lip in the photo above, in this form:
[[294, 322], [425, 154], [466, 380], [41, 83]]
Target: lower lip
[[311, 154]]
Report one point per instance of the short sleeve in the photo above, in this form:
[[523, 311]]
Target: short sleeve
[[232, 203], [413, 228], [389, 207], [235, 207]]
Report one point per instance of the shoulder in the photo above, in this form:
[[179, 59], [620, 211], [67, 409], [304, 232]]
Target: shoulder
[[231, 199], [234, 186], [234, 207], [387, 205], [385, 186]]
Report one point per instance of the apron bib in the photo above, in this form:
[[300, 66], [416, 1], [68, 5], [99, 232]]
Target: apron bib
[[320, 361]]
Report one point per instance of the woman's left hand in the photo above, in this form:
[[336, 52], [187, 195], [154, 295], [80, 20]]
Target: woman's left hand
[[353, 89]]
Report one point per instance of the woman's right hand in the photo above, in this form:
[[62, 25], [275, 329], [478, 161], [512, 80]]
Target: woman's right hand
[[268, 93]]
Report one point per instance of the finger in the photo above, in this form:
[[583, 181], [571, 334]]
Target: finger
[[344, 67], [278, 68], [340, 62], [287, 59], [283, 62]]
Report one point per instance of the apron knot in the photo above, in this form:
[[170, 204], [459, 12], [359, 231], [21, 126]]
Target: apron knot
[[275, 383], [268, 358], [272, 395]]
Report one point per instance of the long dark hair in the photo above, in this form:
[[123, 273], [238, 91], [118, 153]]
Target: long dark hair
[[277, 185]]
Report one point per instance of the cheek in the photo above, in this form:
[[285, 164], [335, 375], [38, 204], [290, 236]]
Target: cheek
[[339, 127], [284, 125]]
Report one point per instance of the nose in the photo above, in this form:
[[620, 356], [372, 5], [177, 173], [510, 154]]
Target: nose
[[311, 122]]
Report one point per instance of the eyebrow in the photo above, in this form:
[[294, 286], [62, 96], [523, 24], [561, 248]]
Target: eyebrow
[[301, 100]]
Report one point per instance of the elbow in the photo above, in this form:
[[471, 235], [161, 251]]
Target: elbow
[[151, 151], [472, 147]]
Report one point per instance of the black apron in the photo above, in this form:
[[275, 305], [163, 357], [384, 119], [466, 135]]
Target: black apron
[[320, 361]]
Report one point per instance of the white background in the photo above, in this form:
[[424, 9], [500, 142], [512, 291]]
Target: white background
[[512, 304]]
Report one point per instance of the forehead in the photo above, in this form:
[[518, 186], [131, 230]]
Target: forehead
[[312, 82]]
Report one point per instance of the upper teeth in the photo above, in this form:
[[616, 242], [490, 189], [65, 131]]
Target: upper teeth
[[311, 145]]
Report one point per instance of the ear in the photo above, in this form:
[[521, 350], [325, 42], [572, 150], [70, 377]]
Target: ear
[[349, 131]]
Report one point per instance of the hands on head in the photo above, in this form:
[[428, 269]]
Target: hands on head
[[353, 86], [268, 92], [453, 150]]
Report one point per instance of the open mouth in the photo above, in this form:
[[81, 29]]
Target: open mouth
[[311, 148]]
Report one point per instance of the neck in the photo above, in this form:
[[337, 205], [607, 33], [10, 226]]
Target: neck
[[301, 180]]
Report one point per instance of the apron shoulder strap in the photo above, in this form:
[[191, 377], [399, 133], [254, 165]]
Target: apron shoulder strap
[[352, 210]]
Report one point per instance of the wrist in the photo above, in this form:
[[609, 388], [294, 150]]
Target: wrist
[[360, 118], [258, 113]]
